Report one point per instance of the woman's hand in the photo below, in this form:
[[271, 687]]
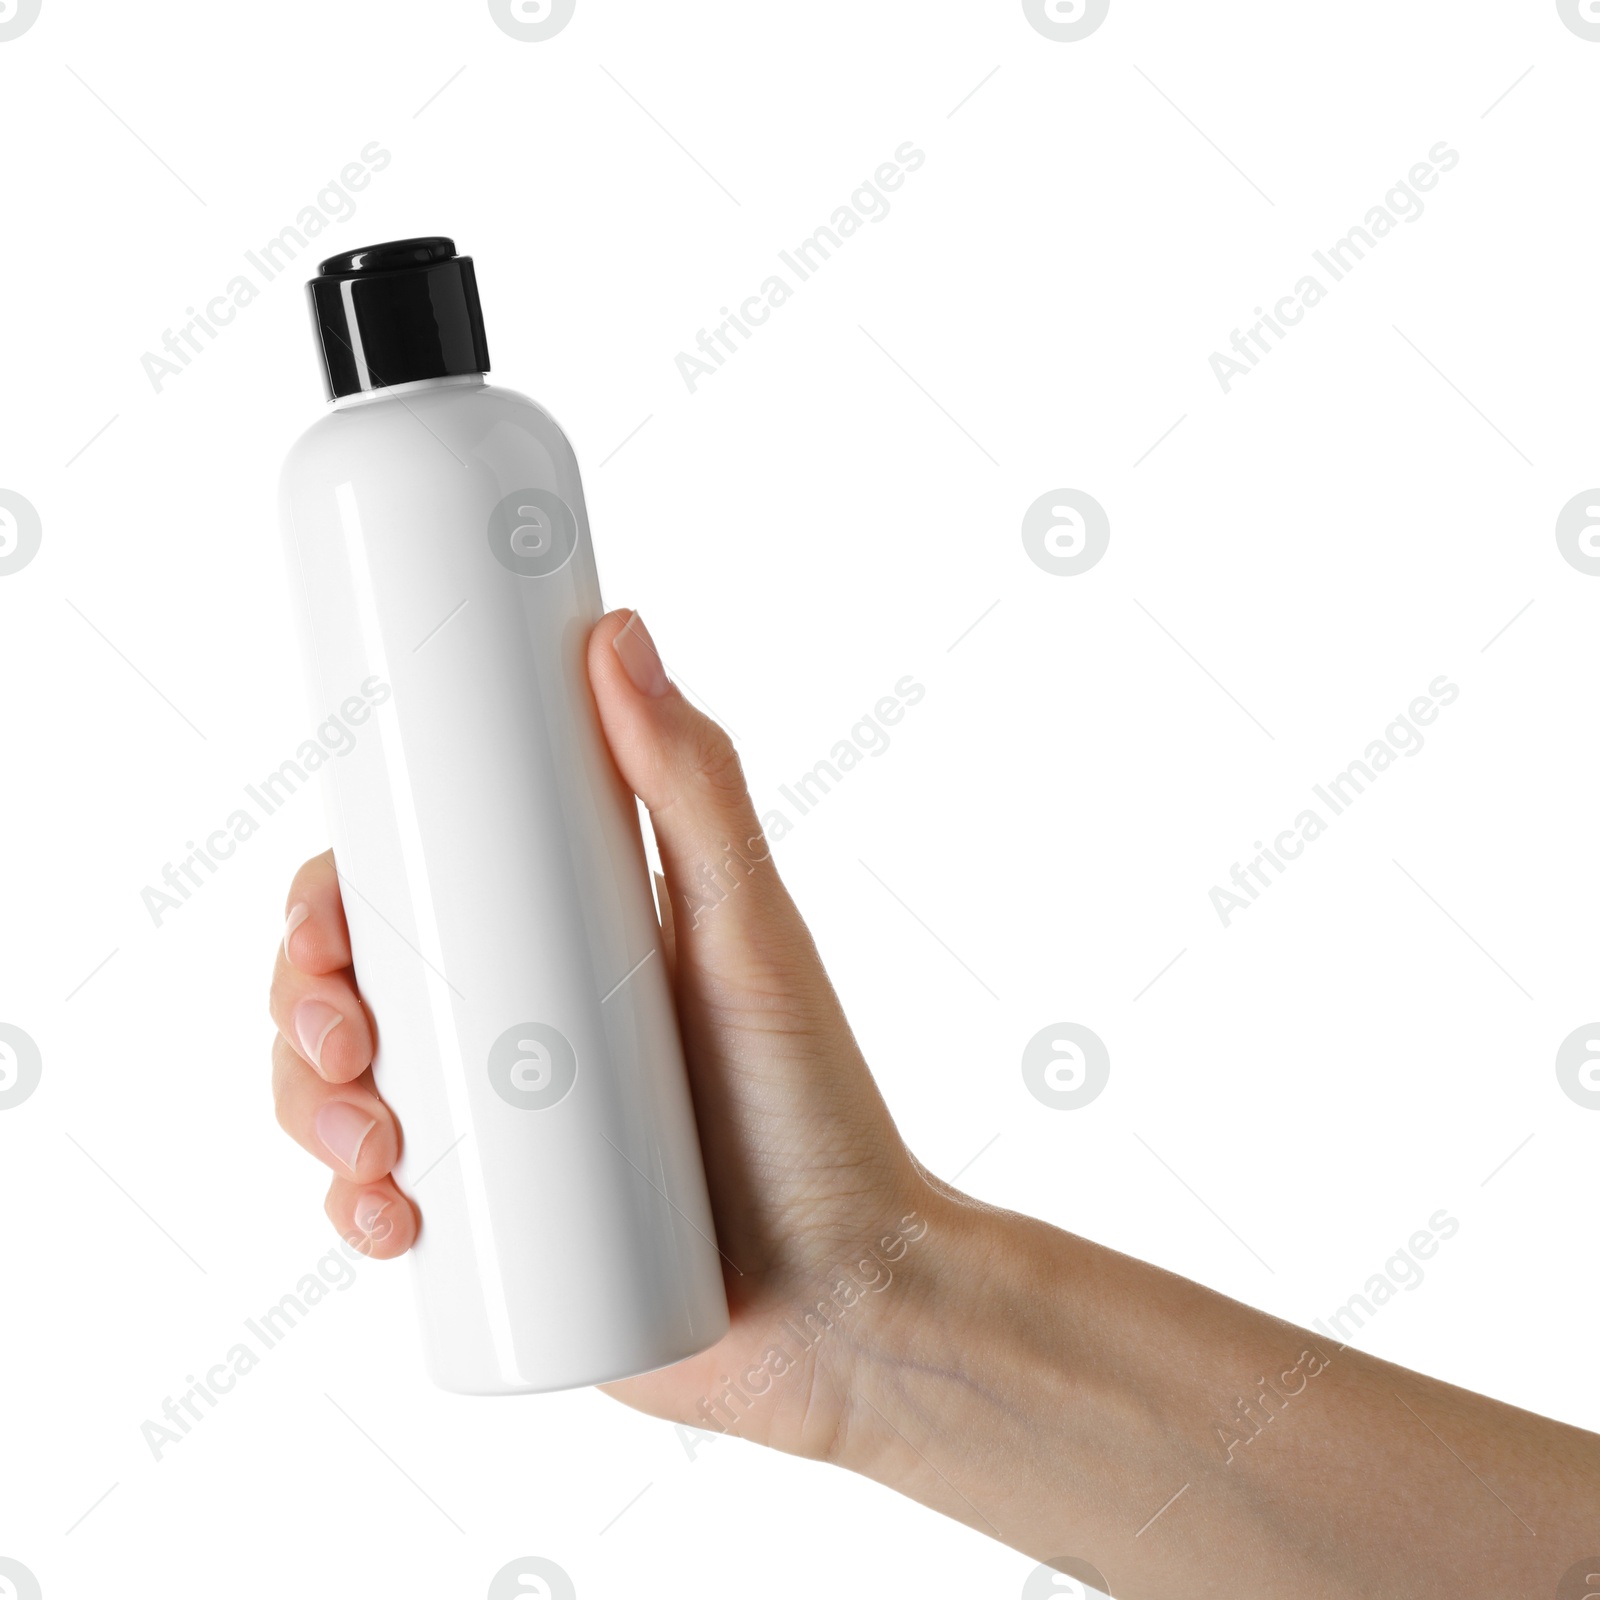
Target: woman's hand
[[1096, 1412], [808, 1175]]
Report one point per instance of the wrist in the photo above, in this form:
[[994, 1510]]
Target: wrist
[[942, 1396], [1024, 1385]]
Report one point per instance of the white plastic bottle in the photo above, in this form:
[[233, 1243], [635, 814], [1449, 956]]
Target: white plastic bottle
[[488, 852]]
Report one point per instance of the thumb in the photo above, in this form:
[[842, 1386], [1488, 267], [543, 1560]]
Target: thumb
[[726, 896]]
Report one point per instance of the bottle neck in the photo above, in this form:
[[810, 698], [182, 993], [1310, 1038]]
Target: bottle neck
[[399, 391]]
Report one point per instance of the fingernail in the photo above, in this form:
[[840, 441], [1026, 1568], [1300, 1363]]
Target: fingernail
[[640, 659], [297, 915], [369, 1217], [314, 1020], [343, 1128]]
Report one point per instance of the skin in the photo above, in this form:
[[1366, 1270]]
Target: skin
[[1050, 1393]]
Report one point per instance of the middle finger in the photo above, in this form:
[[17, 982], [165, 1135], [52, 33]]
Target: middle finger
[[345, 1125]]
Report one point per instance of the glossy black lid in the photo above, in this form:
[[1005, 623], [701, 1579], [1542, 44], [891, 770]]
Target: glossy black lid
[[395, 313]]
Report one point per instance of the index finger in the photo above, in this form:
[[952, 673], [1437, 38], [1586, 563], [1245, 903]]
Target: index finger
[[316, 938]]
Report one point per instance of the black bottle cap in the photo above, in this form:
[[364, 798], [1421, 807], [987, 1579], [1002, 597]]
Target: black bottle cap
[[397, 312]]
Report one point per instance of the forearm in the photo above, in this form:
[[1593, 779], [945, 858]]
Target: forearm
[[1073, 1402]]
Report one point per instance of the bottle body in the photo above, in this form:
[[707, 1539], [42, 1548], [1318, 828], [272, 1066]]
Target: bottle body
[[495, 885]]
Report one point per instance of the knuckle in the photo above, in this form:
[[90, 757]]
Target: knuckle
[[285, 1063], [714, 764], [280, 1112], [279, 997]]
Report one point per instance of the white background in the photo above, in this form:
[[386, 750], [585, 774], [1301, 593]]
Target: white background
[[1289, 1101]]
